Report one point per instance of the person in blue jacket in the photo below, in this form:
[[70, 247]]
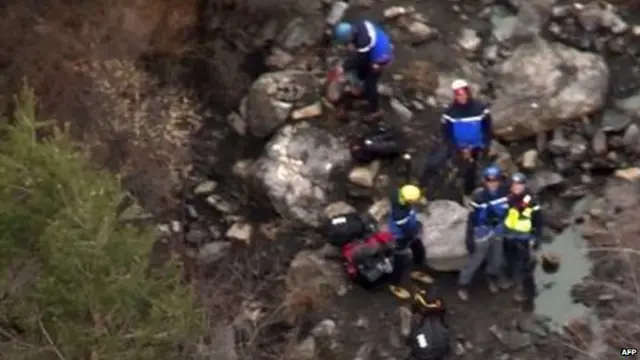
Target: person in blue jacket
[[372, 52], [467, 129], [405, 227], [483, 238]]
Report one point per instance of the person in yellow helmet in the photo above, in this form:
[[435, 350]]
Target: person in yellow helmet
[[405, 227]]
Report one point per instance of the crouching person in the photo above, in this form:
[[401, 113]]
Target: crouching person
[[406, 228], [430, 337], [484, 244]]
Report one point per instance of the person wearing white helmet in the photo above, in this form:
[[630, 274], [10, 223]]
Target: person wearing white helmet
[[467, 128], [372, 52]]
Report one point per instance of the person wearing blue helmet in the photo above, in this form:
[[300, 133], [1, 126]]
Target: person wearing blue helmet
[[522, 234], [372, 52], [484, 243], [467, 130]]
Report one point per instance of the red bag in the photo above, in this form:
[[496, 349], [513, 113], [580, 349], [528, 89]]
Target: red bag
[[377, 246]]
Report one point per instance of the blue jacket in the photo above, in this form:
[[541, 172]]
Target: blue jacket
[[372, 43], [467, 125], [488, 208], [403, 222]]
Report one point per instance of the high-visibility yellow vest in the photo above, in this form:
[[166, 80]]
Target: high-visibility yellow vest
[[519, 221]]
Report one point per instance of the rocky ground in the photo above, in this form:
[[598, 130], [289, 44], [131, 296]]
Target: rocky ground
[[563, 81]]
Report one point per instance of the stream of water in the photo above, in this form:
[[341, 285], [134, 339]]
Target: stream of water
[[554, 299]]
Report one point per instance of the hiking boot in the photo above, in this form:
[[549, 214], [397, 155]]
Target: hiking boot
[[463, 294], [400, 292], [421, 277], [493, 287]]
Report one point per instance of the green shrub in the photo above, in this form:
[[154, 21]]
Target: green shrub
[[90, 294]]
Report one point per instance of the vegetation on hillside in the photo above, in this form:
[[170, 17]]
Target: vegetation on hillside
[[74, 282]]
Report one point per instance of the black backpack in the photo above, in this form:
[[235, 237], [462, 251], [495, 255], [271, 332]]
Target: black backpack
[[343, 229], [431, 340], [382, 143]]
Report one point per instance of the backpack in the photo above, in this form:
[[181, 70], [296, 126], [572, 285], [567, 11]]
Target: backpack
[[379, 144], [368, 260], [343, 229], [431, 340]]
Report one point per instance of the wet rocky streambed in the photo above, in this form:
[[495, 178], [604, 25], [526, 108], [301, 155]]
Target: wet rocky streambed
[[564, 83]]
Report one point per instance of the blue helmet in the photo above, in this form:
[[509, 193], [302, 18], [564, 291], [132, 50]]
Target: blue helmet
[[518, 178], [342, 32], [492, 172]]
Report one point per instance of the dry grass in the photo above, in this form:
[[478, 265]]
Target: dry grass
[[79, 57]]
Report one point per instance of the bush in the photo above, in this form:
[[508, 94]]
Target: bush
[[75, 283]]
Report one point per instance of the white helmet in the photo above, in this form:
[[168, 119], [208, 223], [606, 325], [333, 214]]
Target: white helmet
[[458, 84]]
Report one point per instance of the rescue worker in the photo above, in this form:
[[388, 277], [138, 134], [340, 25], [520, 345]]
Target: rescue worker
[[488, 209], [430, 336], [406, 227], [372, 52], [522, 233], [467, 130]]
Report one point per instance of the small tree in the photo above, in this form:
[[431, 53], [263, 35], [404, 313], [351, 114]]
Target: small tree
[[89, 294]]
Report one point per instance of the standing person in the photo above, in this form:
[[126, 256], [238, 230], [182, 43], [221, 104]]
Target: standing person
[[406, 227], [488, 209], [372, 52], [522, 234], [467, 129]]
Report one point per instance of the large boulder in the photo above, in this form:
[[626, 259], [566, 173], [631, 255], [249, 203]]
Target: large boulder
[[543, 85], [443, 235], [295, 171], [271, 99]]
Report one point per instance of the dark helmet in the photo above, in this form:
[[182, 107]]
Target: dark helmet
[[518, 178], [491, 172]]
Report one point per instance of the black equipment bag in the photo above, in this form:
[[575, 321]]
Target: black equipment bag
[[382, 143], [345, 228], [431, 340]]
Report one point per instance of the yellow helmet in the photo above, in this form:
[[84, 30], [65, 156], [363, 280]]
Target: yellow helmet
[[410, 193]]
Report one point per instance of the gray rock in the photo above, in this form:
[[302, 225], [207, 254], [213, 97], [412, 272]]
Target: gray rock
[[631, 139], [405, 317], [365, 175], [338, 208], [544, 85], [364, 352], [469, 40], [205, 188], [530, 159], [271, 98], [614, 120], [503, 24], [306, 350], [534, 326], [543, 179], [420, 32], [212, 252], [599, 143], [296, 169], [311, 272], [325, 329], [301, 32], [629, 105], [443, 235], [240, 231], [578, 149], [401, 109], [279, 59], [196, 237], [218, 203], [559, 144]]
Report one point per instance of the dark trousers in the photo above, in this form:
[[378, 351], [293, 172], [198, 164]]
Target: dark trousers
[[418, 253], [468, 166], [520, 265], [369, 76]]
